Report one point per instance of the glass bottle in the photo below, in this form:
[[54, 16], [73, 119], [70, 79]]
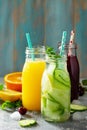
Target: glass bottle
[[55, 93], [31, 77], [74, 70]]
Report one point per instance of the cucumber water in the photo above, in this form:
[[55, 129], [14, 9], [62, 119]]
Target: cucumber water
[[55, 95]]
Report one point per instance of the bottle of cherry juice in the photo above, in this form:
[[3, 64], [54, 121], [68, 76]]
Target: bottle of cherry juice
[[74, 71]]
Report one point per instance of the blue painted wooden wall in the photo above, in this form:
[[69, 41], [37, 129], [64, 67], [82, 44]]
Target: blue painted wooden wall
[[45, 20]]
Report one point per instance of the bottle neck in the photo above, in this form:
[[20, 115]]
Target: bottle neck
[[72, 50], [64, 51], [60, 63], [69, 49], [36, 53]]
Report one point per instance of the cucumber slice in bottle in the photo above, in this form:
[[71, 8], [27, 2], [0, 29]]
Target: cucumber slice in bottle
[[27, 122], [55, 107], [62, 76], [75, 107]]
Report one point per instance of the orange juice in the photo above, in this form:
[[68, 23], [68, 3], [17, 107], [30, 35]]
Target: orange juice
[[31, 84]]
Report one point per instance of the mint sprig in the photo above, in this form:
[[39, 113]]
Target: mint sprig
[[51, 52], [11, 105]]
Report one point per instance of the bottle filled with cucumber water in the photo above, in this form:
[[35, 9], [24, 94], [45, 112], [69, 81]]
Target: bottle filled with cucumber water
[[55, 93]]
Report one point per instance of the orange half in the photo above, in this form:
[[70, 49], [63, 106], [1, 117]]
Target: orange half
[[13, 81], [11, 95]]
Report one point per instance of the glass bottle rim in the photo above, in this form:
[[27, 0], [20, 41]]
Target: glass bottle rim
[[67, 45], [35, 49], [52, 59]]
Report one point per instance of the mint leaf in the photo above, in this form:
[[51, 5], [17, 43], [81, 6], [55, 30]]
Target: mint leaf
[[9, 104], [18, 103], [51, 53], [84, 81], [6, 104], [1, 86]]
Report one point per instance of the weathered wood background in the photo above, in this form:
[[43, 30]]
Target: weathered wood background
[[45, 20]]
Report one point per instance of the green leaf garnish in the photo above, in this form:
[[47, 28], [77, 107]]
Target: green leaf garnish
[[51, 53], [1, 86], [84, 81], [9, 104]]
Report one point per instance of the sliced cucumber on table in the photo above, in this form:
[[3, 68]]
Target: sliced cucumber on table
[[27, 122], [75, 107]]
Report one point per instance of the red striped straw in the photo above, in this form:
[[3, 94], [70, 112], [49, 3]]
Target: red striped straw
[[72, 37], [71, 42]]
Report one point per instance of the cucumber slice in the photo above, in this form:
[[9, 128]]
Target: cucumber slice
[[72, 111], [62, 76], [55, 107], [27, 122], [75, 107], [56, 83]]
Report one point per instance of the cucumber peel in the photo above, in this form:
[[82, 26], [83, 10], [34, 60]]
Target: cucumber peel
[[61, 76], [27, 122], [75, 107]]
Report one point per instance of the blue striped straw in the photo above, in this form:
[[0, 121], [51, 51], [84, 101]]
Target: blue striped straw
[[28, 40], [29, 43], [63, 42]]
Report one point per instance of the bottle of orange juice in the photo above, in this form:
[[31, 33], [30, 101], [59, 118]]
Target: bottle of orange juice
[[31, 77]]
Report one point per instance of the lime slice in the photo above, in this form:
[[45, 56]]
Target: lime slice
[[27, 122]]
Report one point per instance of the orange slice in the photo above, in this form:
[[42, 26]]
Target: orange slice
[[13, 81], [10, 95]]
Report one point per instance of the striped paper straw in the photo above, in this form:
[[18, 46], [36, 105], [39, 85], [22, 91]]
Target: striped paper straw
[[28, 40], [29, 44], [72, 37], [63, 42]]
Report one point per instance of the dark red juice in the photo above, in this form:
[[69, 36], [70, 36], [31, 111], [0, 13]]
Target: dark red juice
[[73, 69]]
